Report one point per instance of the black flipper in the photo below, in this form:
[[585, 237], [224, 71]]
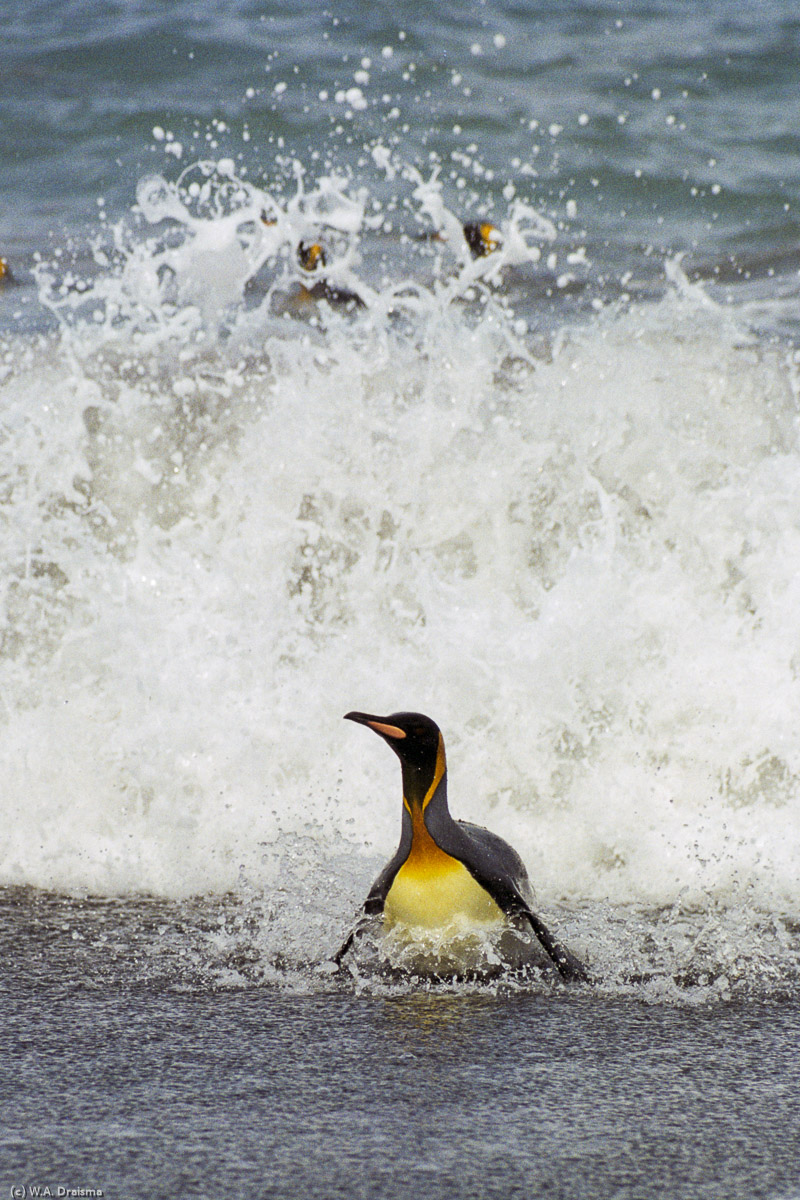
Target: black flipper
[[373, 905], [568, 966], [355, 932]]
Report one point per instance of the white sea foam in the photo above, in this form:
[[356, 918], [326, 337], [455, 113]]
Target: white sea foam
[[583, 565]]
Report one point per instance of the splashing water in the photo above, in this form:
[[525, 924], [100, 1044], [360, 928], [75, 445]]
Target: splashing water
[[229, 518]]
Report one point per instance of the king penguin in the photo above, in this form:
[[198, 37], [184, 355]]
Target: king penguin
[[445, 870], [482, 237], [311, 257]]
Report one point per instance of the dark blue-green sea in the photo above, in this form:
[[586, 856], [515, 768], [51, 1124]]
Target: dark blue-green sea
[[276, 444]]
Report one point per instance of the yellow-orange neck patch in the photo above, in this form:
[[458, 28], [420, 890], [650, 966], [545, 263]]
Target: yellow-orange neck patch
[[425, 856]]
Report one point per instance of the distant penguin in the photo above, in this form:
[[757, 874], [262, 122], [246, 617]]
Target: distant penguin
[[482, 238], [445, 869], [5, 271], [311, 256]]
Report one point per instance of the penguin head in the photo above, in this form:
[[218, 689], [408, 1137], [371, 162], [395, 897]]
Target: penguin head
[[482, 237], [415, 739], [310, 255]]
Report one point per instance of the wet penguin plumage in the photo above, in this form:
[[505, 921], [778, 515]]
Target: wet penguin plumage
[[445, 869], [312, 258], [482, 237]]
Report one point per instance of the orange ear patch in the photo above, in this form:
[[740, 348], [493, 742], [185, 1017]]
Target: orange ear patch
[[392, 731]]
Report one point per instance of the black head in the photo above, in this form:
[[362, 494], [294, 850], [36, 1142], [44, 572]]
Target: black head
[[311, 255], [482, 237], [413, 737]]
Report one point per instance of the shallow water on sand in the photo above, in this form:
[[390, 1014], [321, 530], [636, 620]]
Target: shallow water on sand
[[147, 1094], [148, 1053]]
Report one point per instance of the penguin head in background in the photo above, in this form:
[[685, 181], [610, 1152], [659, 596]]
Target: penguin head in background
[[417, 742], [482, 237], [311, 255]]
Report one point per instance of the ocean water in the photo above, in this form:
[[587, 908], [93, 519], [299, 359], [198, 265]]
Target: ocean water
[[550, 496]]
